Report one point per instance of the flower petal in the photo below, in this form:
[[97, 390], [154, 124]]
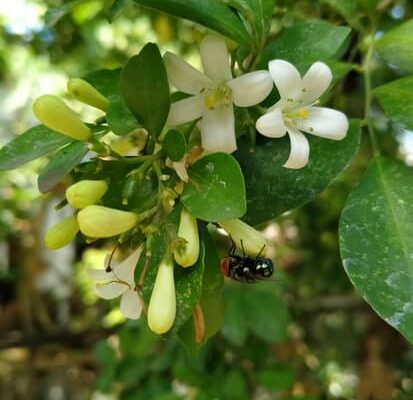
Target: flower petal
[[110, 290], [251, 88], [185, 110], [100, 274], [124, 271], [299, 150], [184, 76], [215, 58], [131, 305], [324, 122], [315, 82], [286, 77], [271, 124], [218, 130]]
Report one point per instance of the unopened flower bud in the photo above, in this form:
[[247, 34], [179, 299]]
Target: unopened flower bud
[[84, 193], [86, 93], [62, 233], [101, 222], [187, 254], [162, 305], [244, 236], [55, 114]]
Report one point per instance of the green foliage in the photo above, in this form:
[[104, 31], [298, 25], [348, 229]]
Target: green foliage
[[60, 164], [396, 47], [174, 145], [396, 98], [375, 232], [216, 190], [145, 88], [30, 145], [273, 189], [307, 42], [210, 13]]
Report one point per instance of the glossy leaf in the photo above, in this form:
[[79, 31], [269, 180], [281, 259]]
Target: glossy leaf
[[306, 42], [188, 285], [396, 98], [258, 14], [118, 116], [213, 14], [174, 145], [61, 164], [395, 47], [216, 188], [375, 241], [211, 300], [28, 146], [145, 89], [273, 189]]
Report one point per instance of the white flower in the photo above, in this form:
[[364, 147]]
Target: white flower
[[214, 94], [117, 279], [295, 111]]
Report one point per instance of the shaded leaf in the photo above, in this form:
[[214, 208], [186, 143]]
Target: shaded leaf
[[28, 146], [376, 228], [395, 47], [306, 42], [61, 164], [273, 189], [396, 98], [145, 89], [213, 14]]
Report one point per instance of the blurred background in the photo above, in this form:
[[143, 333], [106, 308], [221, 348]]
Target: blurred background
[[307, 335]]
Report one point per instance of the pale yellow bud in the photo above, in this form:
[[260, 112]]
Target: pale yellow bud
[[162, 305], [84, 193], [101, 222], [244, 236], [86, 93], [55, 114], [187, 254], [62, 233]]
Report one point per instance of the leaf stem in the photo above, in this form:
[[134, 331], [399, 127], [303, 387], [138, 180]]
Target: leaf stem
[[368, 96]]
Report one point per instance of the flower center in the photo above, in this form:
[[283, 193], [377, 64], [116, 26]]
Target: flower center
[[219, 96], [296, 113]]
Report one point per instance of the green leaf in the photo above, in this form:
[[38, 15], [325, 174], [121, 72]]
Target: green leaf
[[212, 299], [174, 145], [188, 284], [213, 14], [105, 355], [376, 231], [120, 120], [396, 47], [116, 9], [258, 14], [396, 98], [28, 146], [61, 164], [118, 116], [306, 42], [145, 89], [273, 189], [278, 377], [267, 316], [216, 189], [348, 9], [235, 328]]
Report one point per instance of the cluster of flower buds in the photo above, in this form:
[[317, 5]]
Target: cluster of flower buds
[[54, 113]]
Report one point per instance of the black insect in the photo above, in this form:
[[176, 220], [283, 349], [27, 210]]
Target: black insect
[[246, 269]]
